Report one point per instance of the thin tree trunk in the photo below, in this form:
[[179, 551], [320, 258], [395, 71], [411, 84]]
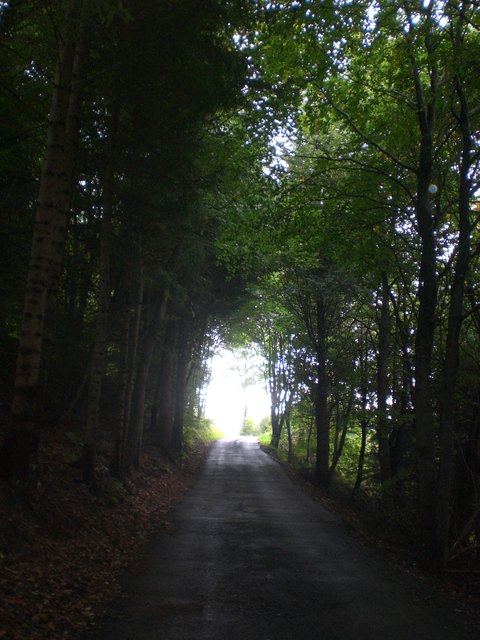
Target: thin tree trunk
[[342, 423], [123, 370], [424, 416], [427, 306], [72, 127], [97, 370], [455, 317], [309, 439], [274, 391], [131, 341], [180, 392], [383, 389], [363, 420], [322, 421], [133, 362], [135, 432], [162, 426], [289, 435]]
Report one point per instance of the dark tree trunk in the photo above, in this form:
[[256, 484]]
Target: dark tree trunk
[[383, 389], [424, 415], [276, 427], [130, 337], [427, 306], [180, 393], [322, 421], [162, 417], [341, 430], [289, 435], [97, 369], [19, 449], [309, 439], [403, 397], [363, 419], [275, 389], [455, 317], [137, 415]]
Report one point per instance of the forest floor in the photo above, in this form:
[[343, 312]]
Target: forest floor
[[62, 553]]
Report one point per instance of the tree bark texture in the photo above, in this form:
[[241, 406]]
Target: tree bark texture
[[427, 306], [322, 420], [341, 431], [383, 388], [363, 419], [97, 369], [274, 387], [454, 324], [183, 355], [137, 415], [162, 418], [19, 449]]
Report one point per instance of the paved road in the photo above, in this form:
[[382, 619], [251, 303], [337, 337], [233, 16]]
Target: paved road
[[252, 557]]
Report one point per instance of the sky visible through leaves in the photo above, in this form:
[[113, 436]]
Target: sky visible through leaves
[[227, 395]]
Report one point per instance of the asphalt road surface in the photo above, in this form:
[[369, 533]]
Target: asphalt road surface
[[252, 557]]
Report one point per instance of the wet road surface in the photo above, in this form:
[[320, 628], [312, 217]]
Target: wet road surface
[[252, 557]]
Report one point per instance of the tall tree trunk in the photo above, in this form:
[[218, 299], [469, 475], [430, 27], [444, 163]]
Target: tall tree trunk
[[162, 419], [383, 389], [276, 425], [274, 390], [403, 396], [309, 438], [289, 434], [363, 419], [455, 317], [133, 356], [72, 127], [126, 364], [424, 415], [322, 421], [97, 370], [19, 448], [137, 416], [183, 350], [427, 301], [341, 430]]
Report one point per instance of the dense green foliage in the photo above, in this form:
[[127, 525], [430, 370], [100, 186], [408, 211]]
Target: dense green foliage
[[368, 311]]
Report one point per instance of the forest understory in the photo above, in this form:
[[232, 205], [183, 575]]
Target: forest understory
[[62, 551]]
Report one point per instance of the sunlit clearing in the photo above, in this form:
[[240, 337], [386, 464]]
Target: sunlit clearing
[[235, 392]]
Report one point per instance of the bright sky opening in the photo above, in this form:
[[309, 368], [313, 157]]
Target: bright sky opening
[[230, 396]]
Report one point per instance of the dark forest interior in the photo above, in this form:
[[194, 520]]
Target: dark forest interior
[[298, 178]]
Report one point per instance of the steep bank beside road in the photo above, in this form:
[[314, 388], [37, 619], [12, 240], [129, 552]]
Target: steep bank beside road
[[61, 553]]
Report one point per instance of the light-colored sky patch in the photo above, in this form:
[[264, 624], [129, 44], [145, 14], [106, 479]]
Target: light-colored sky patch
[[228, 397]]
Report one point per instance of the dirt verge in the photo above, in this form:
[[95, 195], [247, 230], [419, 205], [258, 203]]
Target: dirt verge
[[62, 552]]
